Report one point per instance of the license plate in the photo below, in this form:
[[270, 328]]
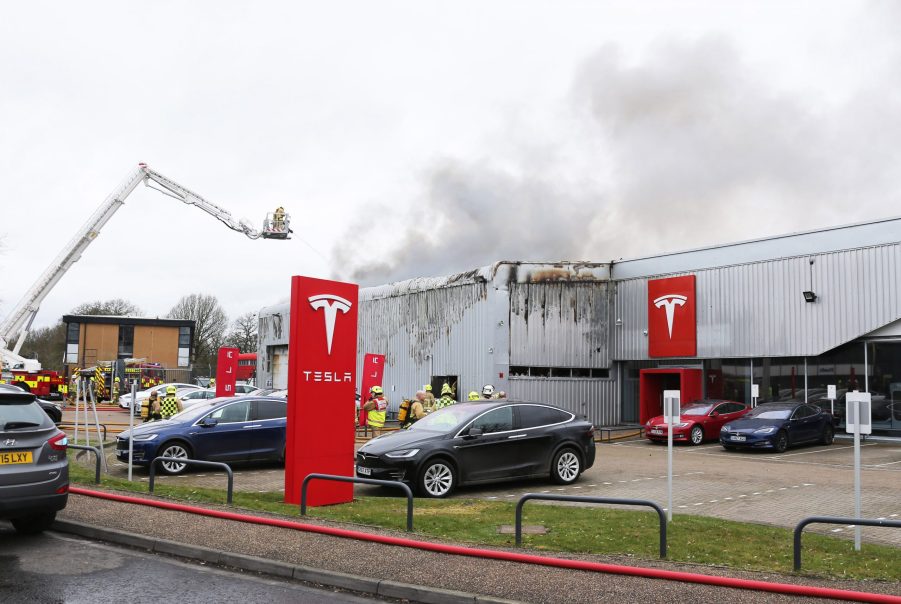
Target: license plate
[[364, 471], [738, 437], [15, 457], [656, 431]]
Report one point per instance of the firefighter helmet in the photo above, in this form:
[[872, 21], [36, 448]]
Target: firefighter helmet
[[171, 389], [446, 389], [377, 390], [473, 396], [488, 391]]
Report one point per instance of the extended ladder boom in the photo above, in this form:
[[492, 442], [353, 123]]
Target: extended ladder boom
[[16, 325]]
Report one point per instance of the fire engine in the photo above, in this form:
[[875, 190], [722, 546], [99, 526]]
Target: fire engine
[[41, 382], [27, 373]]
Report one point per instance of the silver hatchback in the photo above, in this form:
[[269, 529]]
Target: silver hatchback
[[34, 469]]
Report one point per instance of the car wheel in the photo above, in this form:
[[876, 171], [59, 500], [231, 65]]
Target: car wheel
[[697, 435], [828, 435], [437, 479], [566, 467], [30, 525], [178, 450], [781, 442]]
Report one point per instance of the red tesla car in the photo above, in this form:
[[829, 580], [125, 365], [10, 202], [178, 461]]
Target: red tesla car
[[698, 421]]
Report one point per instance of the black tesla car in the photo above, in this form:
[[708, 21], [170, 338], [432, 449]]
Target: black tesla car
[[778, 426], [473, 443]]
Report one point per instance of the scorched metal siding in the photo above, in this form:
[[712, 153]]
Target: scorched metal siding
[[559, 324]]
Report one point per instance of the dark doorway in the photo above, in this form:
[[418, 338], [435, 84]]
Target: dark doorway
[[438, 381]]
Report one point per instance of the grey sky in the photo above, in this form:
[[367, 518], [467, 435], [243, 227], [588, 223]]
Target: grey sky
[[426, 138]]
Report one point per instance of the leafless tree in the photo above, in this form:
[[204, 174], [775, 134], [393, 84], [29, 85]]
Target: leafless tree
[[244, 333], [210, 323], [115, 307]]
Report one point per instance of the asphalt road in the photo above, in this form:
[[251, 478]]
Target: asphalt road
[[55, 568]]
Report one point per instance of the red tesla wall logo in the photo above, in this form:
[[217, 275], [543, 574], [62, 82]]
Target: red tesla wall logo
[[672, 324]]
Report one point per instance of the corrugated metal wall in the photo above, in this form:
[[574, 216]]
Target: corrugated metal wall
[[596, 399], [758, 309], [442, 331], [559, 324]]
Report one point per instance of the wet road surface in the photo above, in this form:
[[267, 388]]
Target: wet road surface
[[52, 567]]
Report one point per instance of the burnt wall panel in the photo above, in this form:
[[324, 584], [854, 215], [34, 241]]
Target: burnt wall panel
[[562, 324]]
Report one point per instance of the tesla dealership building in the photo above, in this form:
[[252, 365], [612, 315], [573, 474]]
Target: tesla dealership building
[[783, 317]]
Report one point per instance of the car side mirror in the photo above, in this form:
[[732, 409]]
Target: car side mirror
[[209, 422], [475, 432], [715, 414]]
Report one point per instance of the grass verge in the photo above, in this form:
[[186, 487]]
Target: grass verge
[[597, 530]]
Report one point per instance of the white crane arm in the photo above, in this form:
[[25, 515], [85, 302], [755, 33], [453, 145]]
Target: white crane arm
[[15, 326], [173, 189]]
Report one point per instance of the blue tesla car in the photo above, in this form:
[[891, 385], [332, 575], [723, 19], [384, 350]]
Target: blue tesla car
[[778, 426], [231, 429]]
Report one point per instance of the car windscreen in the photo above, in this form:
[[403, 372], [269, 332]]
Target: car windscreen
[[696, 409], [448, 418], [19, 413], [763, 413]]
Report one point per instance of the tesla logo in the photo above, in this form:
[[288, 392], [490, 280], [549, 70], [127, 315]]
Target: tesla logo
[[10, 442], [330, 304], [667, 336], [669, 302]]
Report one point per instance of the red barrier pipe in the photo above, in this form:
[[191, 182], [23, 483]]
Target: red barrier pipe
[[635, 571]]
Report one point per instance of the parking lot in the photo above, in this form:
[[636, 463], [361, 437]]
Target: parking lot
[[764, 487]]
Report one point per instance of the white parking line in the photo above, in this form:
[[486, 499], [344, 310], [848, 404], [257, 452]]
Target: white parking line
[[826, 450]]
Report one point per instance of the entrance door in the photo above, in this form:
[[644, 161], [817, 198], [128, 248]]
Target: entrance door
[[652, 383]]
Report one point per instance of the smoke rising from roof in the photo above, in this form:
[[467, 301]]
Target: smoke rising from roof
[[687, 147]]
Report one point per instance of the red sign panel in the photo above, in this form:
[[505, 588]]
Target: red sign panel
[[226, 371], [322, 359], [373, 371], [672, 323]]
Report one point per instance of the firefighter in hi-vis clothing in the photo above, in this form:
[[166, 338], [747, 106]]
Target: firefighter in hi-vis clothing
[[376, 408]]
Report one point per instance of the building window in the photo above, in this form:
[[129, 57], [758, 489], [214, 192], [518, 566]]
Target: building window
[[72, 333], [559, 372], [184, 337], [126, 341]]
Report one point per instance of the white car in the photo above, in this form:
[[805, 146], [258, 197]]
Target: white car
[[245, 389], [125, 399], [197, 396]]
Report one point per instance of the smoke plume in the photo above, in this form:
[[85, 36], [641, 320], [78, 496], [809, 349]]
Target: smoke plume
[[688, 146]]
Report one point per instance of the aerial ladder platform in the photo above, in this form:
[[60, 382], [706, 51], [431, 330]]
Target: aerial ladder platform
[[16, 325]]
